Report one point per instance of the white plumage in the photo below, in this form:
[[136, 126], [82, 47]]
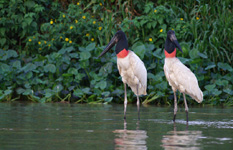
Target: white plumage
[[130, 66], [133, 73], [178, 75], [182, 78]]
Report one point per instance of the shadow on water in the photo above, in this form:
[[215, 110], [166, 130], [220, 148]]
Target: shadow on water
[[181, 140], [130, 139]]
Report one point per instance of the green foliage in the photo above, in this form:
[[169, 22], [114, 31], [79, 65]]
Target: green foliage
[[49, 49]]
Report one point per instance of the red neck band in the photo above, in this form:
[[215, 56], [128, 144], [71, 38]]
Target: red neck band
[[167, 55], [122, 53]]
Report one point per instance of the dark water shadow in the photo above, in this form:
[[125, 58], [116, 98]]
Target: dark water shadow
[[130, 139], [181, 140]]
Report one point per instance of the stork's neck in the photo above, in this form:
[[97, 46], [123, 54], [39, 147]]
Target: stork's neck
[[170, 55], [123, 53], [122, 47]]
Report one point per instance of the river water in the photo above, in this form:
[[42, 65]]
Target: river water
[[59, 126]]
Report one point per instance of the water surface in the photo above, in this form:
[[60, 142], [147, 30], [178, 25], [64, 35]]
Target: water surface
[[61, 126]]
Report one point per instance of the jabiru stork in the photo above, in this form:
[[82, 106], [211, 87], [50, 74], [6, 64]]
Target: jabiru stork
[[130, 66], [178, 75]]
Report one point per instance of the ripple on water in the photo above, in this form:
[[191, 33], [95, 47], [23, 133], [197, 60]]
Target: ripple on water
[[215, 124]]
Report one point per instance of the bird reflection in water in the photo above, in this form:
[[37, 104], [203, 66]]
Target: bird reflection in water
[[130, 139], [182, 140]]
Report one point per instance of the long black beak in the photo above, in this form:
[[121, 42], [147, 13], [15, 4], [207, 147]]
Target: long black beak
[[109, 46], [174, 40]]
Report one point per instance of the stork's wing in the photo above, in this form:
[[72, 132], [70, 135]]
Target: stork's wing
[[185, 80], [138, 68]]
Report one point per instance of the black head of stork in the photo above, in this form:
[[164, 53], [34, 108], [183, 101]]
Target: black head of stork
[[121, 43], [171, 42]]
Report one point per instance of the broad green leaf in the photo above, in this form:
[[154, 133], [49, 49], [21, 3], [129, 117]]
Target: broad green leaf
[[16, 64], [50, 68], [20, 90], [106, 93], [58, 88], [85, 55], [2, 41], [78, 92], [193, 53], [108, 99], [139, 49], [222, 82], [102, 85], [158, 53], [225, 66], [73, 71], [202, 55], [90, 47], [210, 87], [216, 92], [74, 55], [210, 66], [86, 90], [29, 67], [7, 92], [48, 93], [29, 75], [4, 68], [64, 50], [228, 91], [28, 92], [11, 53]]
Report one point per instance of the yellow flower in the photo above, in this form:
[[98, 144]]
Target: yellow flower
[[100, 28], [87, 34], [92, 16], [34, 37], [92, 39], [51, 22], [197, 18], [181, 18], [66, 39], [78, 3], [30, 40], [40, 48], [173, 29], [76, 21], [52, 39], [45, 42], [150, 39], [39, 42], [84, 17], [70, 41], [63, 16], [94, 22], [155, 11], [101, 4], [71, 27], [102, 19], [161, 30], [60, 37], [49, 45]]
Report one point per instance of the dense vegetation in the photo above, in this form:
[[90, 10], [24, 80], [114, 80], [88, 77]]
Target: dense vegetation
[[49, 49]]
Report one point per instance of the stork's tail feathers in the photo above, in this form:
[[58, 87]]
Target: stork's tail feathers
[[198, 96]]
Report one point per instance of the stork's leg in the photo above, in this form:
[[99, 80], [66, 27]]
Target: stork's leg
[[125, 102], [175, 106], [186, 107], [138, 104]]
